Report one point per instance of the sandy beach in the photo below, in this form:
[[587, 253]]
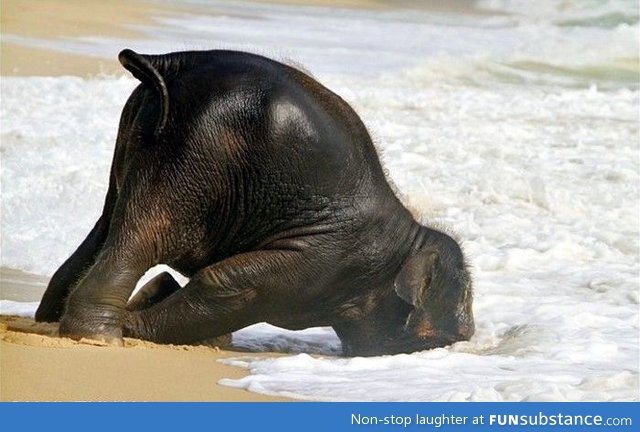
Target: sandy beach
[[37, 365], [56, 19]]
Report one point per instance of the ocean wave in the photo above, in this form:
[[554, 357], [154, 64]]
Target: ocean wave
[[609, 20]]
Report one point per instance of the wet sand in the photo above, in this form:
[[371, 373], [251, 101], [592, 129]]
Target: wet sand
[[53, 19], [21, 286], [37, 365], [25, 20]]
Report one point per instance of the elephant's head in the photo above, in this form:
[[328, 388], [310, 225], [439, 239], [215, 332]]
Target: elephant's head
[[435, 281]]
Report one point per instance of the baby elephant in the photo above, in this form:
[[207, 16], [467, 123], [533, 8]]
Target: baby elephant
[[264, 188]]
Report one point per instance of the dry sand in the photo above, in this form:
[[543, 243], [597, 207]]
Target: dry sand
[[37, 365]]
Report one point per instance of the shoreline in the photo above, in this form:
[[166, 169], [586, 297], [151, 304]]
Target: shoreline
[[37, 365], [59, 19], [25, 23]]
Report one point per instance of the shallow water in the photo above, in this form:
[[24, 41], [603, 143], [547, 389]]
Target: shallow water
[[516, 129]]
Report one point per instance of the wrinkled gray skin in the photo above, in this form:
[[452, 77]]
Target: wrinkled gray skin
[[264, 188]]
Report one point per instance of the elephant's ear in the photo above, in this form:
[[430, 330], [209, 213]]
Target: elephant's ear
[[415, 276], [142, 68]]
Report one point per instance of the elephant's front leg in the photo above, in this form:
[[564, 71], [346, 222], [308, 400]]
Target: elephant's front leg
[[96, 307], [229, 295]]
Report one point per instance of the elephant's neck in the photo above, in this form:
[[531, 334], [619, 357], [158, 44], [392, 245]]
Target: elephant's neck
[[426, 237]]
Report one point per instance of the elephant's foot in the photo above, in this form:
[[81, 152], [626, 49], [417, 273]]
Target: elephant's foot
[[48, 312], [102, 324]]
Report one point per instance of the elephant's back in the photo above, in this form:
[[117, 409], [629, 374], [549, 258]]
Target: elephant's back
[[294, 151], [276, 117]]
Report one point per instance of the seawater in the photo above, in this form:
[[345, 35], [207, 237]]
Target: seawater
[[514, 126]]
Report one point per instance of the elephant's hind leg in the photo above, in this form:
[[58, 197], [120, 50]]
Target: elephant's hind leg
[[67, 276], [224, 297], [158, 289]]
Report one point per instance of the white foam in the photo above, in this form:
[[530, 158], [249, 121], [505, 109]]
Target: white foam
[[21, 309]]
